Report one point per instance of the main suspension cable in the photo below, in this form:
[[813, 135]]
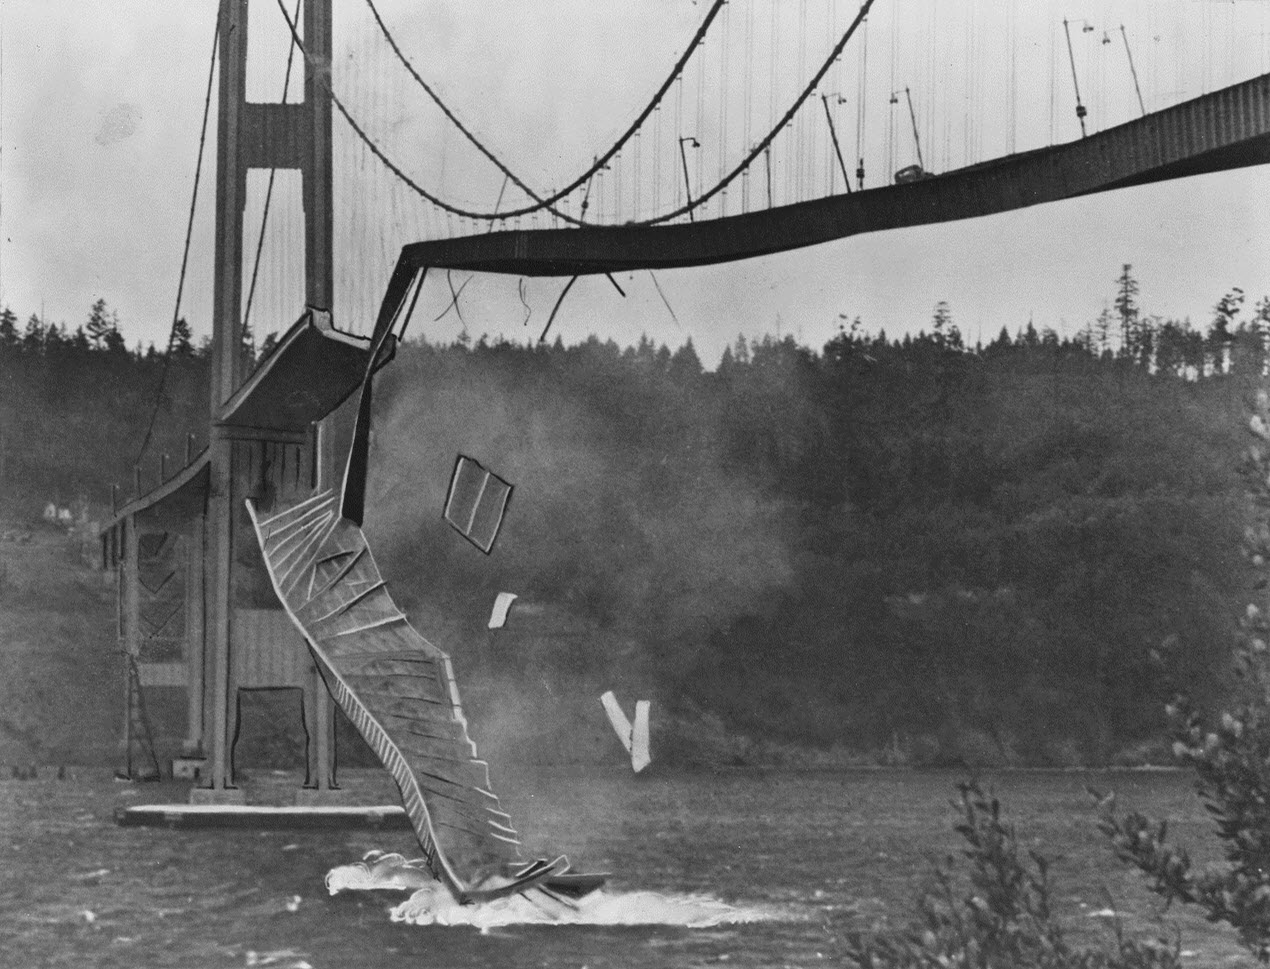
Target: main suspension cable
[[771, 135], [185, 255], [601, 160], [392, 166], [690, 206]]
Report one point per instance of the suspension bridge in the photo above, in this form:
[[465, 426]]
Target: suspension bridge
[[199, 608]]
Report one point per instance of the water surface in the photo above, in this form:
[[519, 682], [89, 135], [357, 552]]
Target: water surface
[[779, 864]]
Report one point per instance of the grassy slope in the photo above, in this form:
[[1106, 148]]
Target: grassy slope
[[60, 691]]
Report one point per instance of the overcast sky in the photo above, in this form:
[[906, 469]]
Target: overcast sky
[[102, 100]]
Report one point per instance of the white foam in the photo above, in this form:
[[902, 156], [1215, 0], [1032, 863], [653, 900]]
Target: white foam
[[378, 870], [435, 906], [431, 904]]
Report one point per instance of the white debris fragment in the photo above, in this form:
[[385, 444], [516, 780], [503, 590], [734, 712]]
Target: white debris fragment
[[502, 605]]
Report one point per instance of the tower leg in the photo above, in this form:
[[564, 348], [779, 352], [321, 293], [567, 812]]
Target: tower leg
[[220, 707], [319, 705], [193, 744], [319, 723]]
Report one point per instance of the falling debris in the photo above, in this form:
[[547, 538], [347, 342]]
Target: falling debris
[[639, 738], [617, 718], [634, 737], [477, 502], [502, 604]]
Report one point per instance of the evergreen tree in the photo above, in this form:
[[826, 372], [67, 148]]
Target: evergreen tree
[[99, 324], [1221, 333], [726, 364], [115, 342], [79, 341], [1127, 308], [1259, 326], [942, 325], [1102, 331], [685, 364], [33, 336], [8, 329], [181, 343], [663, 358]]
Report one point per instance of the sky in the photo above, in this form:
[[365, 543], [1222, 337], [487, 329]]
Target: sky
[[101, 103]]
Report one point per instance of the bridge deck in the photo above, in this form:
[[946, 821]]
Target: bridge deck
[[1226, 129]]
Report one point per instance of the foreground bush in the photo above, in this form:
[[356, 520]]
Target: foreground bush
[[1231, 761], [998, 915]]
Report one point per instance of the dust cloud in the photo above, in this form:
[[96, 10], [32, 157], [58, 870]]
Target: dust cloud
[[628, 540]]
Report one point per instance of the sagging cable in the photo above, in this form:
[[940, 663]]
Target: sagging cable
[[555, 309]]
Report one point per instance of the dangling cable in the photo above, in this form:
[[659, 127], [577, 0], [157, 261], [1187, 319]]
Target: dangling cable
[[454, 298], [555, 309], [185, 256], [520, 291], [669, 309]]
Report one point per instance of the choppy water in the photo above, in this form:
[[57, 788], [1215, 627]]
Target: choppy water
[[747, 868]]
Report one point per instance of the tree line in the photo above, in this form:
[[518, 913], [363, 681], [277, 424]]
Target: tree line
[[938, 551]]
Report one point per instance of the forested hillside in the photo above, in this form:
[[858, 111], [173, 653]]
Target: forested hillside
[[913, 549]]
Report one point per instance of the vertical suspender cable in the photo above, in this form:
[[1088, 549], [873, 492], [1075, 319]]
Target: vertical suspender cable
[[800, 156], [833, 134], [749, 101], [968, 91], [701, 104], [1080, 108], [657, 159], [861, 100], [1134, 71], [723, 104], [831, 31], [773, 75], [890, 124], [679, 127], [635, 181], [1014, 79]]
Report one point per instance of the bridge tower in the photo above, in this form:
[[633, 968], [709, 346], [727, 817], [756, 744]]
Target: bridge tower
[[238, 640], [197, 609]]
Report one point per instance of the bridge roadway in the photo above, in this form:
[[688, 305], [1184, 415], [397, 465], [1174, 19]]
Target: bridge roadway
[[1223, 130], [1226, 129]]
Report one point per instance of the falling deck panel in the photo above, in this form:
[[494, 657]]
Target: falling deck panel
[[397, 688]]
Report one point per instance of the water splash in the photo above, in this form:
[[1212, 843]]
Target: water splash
[[431, 904]]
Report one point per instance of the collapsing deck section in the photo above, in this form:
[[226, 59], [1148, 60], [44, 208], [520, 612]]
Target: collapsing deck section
[[399, 691]]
